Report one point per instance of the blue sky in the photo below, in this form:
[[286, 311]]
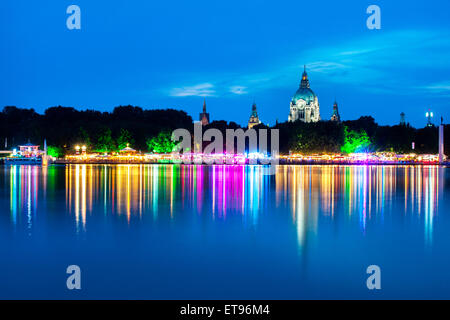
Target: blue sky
[[161, 54]]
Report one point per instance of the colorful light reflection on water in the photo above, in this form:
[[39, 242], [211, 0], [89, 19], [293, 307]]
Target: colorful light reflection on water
[[306, 232]]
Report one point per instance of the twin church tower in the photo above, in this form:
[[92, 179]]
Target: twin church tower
[[304, 106]]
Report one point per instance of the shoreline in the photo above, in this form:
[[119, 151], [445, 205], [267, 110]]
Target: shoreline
[[282, 163]]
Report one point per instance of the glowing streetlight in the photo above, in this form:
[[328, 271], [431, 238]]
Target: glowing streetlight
[[429, 116]]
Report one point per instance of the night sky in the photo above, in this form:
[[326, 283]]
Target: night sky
[[172, 54]]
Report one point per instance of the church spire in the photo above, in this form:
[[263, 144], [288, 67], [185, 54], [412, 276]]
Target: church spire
[[254, 119], [335, 117], [305, 82], [254, 112], [204, 116]]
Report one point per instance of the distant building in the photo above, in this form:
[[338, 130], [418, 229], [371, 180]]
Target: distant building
[[304, 105], [27, 154], [254, 119], [128, 151], [402, 119], [29, 150], [204, 116], [335, 117]]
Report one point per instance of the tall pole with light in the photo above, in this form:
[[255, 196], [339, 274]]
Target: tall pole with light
[[429, 116], [441, 141], [44, 156]]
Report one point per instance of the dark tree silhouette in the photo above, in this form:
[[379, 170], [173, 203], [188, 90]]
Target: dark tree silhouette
[[65, 127]]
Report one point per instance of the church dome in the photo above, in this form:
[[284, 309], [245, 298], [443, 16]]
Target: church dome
[[304, 105], [305, 94]]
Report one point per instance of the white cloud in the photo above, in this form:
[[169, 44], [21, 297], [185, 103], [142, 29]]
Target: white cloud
[[200, 90], [325, 66], [438, 87], [238, 90], [383, 62]]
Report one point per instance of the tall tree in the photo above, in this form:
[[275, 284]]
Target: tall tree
[[124, 139]]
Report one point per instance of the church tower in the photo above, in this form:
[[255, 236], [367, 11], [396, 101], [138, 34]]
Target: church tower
[[304, 105], [335, 117], [402, 119], [254, 119], [204, 116]]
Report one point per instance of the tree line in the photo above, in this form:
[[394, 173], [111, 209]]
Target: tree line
[[361, 135], [150, 130], [65, 127]]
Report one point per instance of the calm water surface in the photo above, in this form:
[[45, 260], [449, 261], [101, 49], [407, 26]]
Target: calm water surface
[[230, 232]]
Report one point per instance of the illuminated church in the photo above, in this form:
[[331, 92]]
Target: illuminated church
[[335, 116], [254, 119], [204, 116], [304, 104]]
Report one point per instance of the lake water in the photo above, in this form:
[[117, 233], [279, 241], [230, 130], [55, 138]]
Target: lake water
[[224, 232]]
